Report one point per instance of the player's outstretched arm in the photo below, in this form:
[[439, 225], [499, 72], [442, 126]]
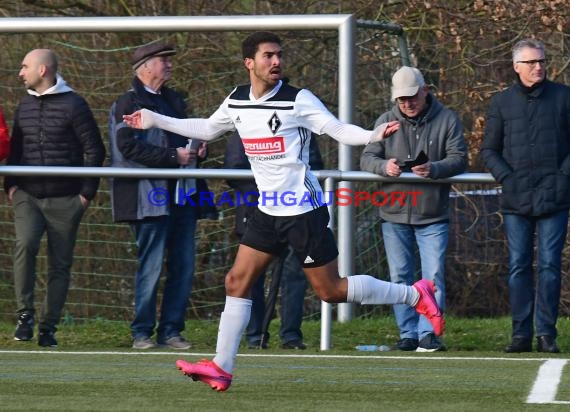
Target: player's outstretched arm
[[201, 129], [356, 136]]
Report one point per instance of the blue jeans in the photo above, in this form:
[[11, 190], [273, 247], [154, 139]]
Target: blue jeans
[[400, 243], [526, 302], [293, 287], [172, 237]]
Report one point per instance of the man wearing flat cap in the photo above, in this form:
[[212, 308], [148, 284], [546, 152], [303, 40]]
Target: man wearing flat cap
[[162, 213], [430, 144]]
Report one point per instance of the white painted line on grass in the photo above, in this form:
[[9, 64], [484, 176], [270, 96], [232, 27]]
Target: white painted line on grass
[[546, 384], [297, 354], [544, 389]]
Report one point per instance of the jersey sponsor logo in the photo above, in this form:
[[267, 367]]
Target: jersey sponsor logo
[[264, 146]]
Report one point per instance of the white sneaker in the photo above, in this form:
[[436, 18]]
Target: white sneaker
[[430, 343]]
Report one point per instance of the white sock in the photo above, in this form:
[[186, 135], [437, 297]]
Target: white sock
[[233, 321], [367, 290]]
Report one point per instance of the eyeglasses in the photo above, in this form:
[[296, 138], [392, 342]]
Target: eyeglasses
[[533, 63]]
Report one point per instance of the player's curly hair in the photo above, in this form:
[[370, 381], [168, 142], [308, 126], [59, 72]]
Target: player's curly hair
[[250, 45]]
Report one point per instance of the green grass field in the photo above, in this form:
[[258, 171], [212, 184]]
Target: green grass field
[[94, 369]]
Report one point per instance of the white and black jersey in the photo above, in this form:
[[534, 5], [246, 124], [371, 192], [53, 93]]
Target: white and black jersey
[[276, 132]]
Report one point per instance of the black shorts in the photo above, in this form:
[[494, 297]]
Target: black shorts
[[308, 234]]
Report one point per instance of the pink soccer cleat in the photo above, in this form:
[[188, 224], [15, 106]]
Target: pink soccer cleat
[[427, 305], [206, 371]]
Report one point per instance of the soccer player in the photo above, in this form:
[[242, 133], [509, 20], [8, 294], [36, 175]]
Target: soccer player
[[275, 121]]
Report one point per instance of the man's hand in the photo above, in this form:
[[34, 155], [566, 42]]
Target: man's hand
[[203, 150], [134, 120], [422, 170], [391, 128], [84, 201], [184, 156], [384, 130], [11, 192], [392, 168]]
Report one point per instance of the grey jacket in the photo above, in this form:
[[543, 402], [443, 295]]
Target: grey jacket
[[440, 135]]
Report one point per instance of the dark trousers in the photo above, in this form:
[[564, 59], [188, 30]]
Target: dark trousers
[[59, 217]]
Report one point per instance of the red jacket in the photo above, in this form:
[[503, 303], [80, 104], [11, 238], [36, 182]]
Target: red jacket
[[4, 137]]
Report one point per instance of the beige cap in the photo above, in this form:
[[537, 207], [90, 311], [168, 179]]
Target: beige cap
[[406, 82]]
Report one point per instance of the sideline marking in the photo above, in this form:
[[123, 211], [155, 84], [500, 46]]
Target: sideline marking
[[139, 352], [544, 389], [546, 384]]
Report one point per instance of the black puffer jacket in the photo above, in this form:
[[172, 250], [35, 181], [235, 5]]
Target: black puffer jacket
[[527, 147], [56, 128]]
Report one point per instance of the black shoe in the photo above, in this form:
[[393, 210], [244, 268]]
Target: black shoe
[[47, 339], [294, 344], [407, 344], [518, 345], [430, 343], [24, 327], [546, 344], [257, 345]]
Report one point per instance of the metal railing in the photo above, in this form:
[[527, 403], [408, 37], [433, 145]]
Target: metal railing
[[331, 179], [345, 24]]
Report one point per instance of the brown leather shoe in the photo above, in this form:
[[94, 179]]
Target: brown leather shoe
[[546, 344]]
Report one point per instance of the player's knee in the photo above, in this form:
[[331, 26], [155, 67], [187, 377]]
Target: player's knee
[[231, 283], [331, 295], [235, 285]]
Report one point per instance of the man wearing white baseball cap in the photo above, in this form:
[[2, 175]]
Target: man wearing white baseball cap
[[406, 82], [429, 143]]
